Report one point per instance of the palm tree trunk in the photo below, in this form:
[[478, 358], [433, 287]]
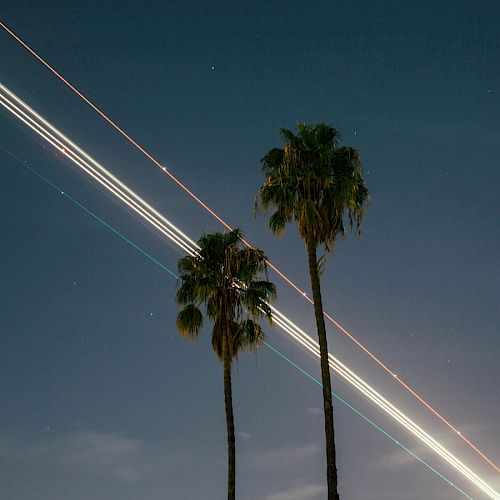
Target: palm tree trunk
[[331, 469], [228, 399]]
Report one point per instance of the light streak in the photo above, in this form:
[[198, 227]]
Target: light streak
[[47, 131], [330, 318], [43, 128], [344, 372], [269, 346]]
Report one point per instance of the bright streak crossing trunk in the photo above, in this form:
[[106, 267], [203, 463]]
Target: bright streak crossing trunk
[[131, 199]]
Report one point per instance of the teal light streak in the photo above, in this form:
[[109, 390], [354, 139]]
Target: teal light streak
[[92, 214], [363, 416], [269, 346]]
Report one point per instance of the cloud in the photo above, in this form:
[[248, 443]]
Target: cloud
[[400, 458], [127, 474], [300, 492], [314, 410], [396, 460], [89, 448], [89, 452], [286, 457]]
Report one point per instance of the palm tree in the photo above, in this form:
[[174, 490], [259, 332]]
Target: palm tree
[[223, 278], [319, 185]]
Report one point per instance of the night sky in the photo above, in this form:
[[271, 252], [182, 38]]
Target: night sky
[[100, 397]]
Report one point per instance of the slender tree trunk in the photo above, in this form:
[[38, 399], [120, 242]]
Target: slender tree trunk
[[228, 399], [331, 469]]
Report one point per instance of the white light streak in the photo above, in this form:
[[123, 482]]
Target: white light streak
[[274, 268], [94, 169], [43, 128]]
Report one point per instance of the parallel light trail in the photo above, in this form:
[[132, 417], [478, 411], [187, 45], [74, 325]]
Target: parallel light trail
[[48, 132], [150, 157], [269, 346]]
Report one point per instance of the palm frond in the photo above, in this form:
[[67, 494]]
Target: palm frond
[[224, 278], [184, 293], [189, 321], [218, 338], [314, 181], [278, 222], [249, 334]]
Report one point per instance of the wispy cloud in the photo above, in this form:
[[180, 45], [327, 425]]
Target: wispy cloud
[[396, 460], [300, 492], [89, 452], [286, 457], [314, 410], [400, 458]]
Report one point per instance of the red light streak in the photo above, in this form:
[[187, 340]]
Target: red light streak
[[79, 157], [227, 226]]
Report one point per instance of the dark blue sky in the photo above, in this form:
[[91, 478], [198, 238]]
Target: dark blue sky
[[100, 397]]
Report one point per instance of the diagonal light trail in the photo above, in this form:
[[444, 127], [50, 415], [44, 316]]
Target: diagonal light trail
[[269, 346], [150, 157], [38, 124], [94, 169]]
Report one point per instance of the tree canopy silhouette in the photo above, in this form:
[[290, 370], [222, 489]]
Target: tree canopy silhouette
[[318, 184], [222, 282]]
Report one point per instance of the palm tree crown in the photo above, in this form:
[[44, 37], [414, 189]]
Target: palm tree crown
[[223, 278], [319, 185], [314, 182]]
